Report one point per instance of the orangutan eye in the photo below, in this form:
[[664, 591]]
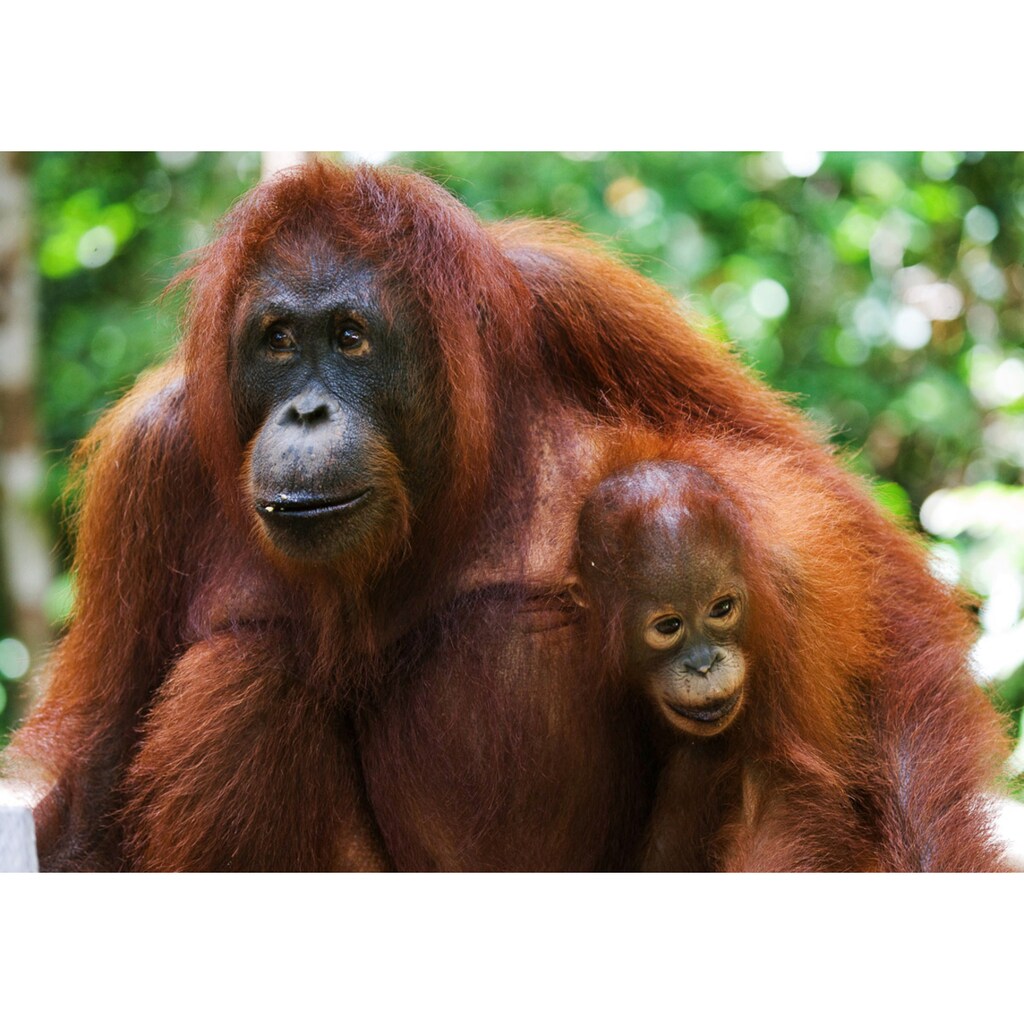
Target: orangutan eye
[[668, 626], [279, 341], [720, 609], [663, 632], [351, 340]]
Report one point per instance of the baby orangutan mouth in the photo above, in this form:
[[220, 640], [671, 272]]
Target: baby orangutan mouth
[[706, 713]]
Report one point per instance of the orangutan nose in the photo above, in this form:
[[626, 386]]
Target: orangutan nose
[[702, 659], [310, 409]]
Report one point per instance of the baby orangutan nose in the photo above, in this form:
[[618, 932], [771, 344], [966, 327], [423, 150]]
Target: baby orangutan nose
[[702, 658]]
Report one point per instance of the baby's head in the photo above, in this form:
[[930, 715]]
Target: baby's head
[[659, 554]]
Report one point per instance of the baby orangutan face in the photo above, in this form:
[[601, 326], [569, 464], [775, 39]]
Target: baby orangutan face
[[658, 550], [685, 647]]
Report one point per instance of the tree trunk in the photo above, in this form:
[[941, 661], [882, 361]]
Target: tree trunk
[[25, 547]]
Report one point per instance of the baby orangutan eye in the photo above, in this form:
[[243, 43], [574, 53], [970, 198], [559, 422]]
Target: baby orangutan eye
[[721, 609], [663, 632]]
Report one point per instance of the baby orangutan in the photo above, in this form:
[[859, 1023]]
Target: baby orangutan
[[718, 607], [658, 562], [659, 556], [697, 601]]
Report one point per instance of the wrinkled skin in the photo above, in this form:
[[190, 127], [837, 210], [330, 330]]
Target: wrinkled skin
[[332, 386]]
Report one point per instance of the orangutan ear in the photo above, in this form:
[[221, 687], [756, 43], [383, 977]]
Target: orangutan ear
[[573, 586]]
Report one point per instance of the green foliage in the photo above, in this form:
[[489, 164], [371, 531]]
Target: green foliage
[[884, 291], [894, 499]]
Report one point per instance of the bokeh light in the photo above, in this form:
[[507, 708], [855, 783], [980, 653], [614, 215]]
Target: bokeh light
[[14, 658], [801, 164]]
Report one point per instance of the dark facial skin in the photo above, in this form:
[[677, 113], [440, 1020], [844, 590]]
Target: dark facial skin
[[656, 550], [331, 399]]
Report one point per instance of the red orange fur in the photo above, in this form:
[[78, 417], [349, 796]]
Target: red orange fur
[[215, 707]]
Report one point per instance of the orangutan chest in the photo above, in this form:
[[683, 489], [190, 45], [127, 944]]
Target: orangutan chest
[[496, 753]]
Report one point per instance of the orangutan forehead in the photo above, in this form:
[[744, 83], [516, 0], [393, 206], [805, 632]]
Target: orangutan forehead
[[311, 282], [656, 503], [685, 546], [314, 270], [665, 556]]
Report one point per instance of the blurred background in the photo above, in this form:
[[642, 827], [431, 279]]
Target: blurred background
[[885, 292]]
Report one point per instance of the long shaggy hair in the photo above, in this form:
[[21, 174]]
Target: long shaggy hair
[[212, 707]]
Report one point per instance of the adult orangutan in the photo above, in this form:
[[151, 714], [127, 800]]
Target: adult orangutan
[[322, 619]]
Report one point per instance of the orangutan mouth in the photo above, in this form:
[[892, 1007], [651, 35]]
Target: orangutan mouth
[[708, 712], [302, 506]]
